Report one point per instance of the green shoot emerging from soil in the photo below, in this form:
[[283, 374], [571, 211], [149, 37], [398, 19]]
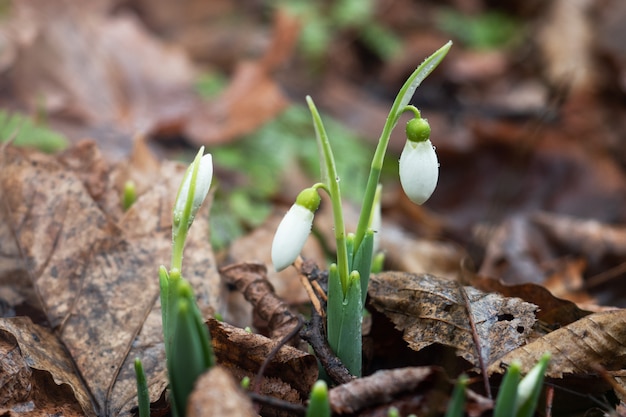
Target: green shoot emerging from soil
[[188, 349], [349, 276]]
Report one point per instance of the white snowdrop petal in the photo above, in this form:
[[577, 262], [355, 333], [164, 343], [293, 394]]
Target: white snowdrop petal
[[203, 183], [419, 170], [290, 236], [203, 180]]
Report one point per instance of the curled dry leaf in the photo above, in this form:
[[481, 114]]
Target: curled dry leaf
[[217, 394], [271, 311], [598, 340], [97, 66], [288, 376], [432, 310], [96, 279], [32, 355]]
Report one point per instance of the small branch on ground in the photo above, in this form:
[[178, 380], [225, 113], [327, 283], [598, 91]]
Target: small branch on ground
[[251, 280]]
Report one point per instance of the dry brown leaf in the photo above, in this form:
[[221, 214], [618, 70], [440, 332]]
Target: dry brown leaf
[[566, 41], [406, 253], [96, 279], [252, 98], [217, 394], [575, 258], [97, 67], [288, 376], [552, 310], [581, 348], [432, 310], [29, 356]]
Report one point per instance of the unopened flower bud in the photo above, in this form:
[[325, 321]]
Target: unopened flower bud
[[201, 189], [419, 167], [294, 229]]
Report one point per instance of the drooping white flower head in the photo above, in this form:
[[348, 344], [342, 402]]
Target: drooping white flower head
[[419, 167], [202, 185], [294, 229]]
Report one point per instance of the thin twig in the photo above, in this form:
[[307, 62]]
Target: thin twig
[[477, 344], [293, 409], [293, 333]]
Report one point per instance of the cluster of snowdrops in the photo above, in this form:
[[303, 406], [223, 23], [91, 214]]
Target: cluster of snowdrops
[[187, 341]]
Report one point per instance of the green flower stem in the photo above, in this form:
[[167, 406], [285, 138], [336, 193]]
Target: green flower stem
[[332, 182], [171, 305], [181, 224], [399, 104]]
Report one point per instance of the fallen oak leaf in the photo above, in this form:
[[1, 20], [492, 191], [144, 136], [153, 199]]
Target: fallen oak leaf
[[433, 310], [32, 349], [96, 279], [577, 349]]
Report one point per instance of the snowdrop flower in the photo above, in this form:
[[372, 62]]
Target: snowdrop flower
[[201, 189], [294, 229], [419, 168]]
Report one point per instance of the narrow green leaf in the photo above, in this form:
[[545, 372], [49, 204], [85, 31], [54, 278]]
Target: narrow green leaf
[[143, 396], [507, 395], [530, 387], [331, 180], [349, 349], [456, 406], [319, 405], [408, 89], [26, 131], [326, 157], [350, 250], [334, 308], [378, 263], [189, 356], [344, 317], [363, 262]]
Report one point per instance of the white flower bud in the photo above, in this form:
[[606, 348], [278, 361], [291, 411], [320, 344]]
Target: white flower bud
[[419, 170], [290, 236], [203, 183]]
